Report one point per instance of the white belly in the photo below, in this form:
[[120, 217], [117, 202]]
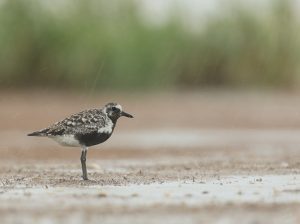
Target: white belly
[[66, 140]]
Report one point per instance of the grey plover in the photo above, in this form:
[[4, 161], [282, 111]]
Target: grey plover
[[85, 129]]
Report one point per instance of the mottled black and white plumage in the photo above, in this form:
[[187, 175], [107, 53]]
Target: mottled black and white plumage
[[84, 129]]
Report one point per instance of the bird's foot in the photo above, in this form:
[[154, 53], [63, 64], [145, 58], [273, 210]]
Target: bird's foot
[[85, 178]]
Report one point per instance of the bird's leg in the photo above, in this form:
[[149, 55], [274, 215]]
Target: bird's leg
[[83, 164]]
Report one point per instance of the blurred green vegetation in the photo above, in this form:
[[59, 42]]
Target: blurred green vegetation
[[107, 44]]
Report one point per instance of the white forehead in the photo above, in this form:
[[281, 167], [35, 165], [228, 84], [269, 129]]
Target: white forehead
[[119, 107]]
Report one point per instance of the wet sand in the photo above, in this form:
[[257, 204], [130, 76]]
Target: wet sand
[[234, 158]]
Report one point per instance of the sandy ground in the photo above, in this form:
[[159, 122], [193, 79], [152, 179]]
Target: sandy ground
[[186, 158]]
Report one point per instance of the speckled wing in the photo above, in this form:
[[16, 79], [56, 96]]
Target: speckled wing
[[81, 123]]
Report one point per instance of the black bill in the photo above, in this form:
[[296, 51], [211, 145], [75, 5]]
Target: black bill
[[126, 114]]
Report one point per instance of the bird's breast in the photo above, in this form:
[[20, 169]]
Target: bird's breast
[[94, 138]]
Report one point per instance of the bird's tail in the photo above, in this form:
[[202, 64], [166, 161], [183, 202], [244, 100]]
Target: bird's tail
[[39, 133]]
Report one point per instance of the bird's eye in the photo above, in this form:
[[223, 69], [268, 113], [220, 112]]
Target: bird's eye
[[114, 109]]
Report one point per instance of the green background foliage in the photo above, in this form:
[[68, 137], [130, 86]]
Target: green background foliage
[[107, 44]]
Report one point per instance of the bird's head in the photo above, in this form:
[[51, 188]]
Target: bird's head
[[114, 111]]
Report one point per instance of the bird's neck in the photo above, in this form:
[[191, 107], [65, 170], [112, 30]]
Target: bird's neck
[[114, 120]]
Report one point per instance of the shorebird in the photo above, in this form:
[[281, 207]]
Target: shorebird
[[85, 129]]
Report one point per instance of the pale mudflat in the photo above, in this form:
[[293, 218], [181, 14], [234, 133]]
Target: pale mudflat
[[239, 162]]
